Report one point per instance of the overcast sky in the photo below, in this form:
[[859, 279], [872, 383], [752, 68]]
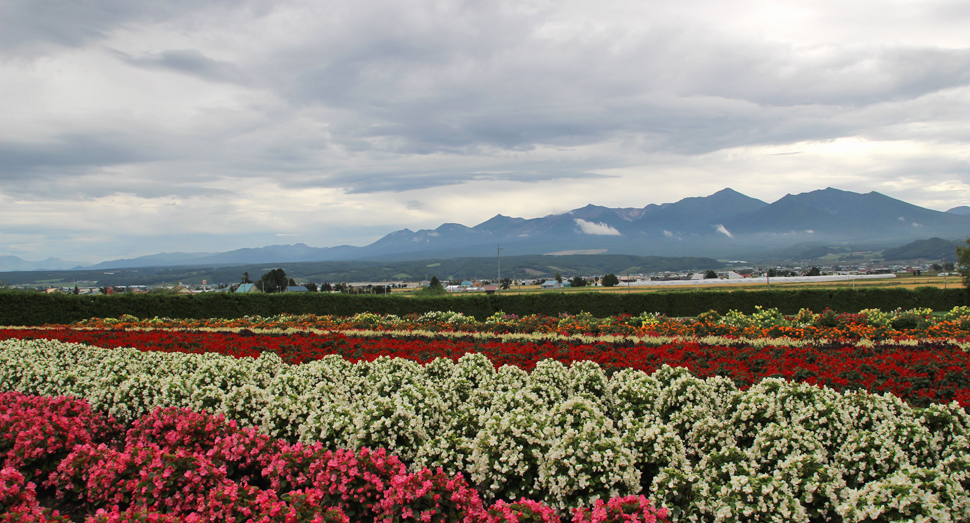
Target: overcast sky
[[132, 127]]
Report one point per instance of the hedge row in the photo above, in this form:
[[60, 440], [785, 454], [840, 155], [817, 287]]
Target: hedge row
[[38, 309]]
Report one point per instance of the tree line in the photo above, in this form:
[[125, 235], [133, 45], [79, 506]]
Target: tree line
[[276, 281]]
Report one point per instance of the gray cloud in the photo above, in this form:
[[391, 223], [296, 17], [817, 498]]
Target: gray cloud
[[386, 178], [430, 88], [32, 27], [68, 154], [366, 98], [80, 166], [188, 61]]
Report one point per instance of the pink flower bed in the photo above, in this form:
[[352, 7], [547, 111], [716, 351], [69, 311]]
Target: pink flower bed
[[37, 432], [179, 465], [18, 500]]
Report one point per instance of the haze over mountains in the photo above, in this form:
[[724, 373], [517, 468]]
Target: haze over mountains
[[724, 224]]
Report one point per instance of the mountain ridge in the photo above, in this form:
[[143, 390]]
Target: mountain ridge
[[726, 223]]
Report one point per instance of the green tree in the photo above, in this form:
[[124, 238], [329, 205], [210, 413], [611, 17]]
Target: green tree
[[815, 271], [710, 275], [245, 278], [610, 280], [273, 281], [434, 288], [326, 287], [963, 262], [312, 287], [559, 277], [578, 281]]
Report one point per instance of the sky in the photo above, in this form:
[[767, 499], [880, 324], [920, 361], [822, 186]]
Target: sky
[[132, 128]]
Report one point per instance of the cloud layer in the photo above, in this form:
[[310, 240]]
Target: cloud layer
[[596, 228], [132, 128]]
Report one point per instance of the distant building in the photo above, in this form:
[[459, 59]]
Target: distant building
[[296, 288], [248, 287], [550, 284]]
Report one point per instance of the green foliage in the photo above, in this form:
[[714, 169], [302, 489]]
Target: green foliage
[[963, 262], [434, 288], [273, 281], [610, 280], [37, 309], [921, 249], [578, 281]]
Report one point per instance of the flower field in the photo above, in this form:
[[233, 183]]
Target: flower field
[[921, 372], [870, 324], [443, 418]]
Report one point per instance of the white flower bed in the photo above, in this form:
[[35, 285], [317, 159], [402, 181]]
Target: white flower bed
[[568, 436]]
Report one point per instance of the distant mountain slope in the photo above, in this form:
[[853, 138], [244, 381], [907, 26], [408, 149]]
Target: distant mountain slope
[[152, 260], [848, 215], [726, 224], [962, 210], [932, 249], [517, 267], [269, 254], [701, 215], [14, 263]]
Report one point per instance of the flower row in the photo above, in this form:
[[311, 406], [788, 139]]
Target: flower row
[[565, 436], [921, 373], [179, 465], [867, 324]]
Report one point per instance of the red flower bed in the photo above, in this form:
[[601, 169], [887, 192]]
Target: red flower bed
[[179, 465], [927, 372], [805, 325]]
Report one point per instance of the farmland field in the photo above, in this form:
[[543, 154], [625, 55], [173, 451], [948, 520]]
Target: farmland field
[[763, 417], [900, 282]]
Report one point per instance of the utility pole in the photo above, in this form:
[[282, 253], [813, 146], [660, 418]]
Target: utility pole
[[498, 255]]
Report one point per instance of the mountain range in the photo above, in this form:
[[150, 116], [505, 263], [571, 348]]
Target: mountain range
[[726, 224]]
